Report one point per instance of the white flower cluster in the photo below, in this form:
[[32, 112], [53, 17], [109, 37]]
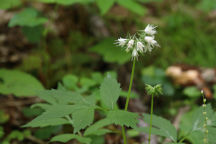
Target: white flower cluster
[[144, 43]]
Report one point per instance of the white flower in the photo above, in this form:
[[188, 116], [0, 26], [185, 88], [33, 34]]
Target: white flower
[[151, 43], [130, 44], [140, 46], [121, 41], [150, 29], [134, 53], [150, 40]]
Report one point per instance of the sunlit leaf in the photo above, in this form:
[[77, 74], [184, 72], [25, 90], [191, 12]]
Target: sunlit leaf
[[18, 83], [28, 17]]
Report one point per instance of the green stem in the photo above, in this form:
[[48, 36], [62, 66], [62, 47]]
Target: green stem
[[124, 135], [152, 104], [128, 98], [182, 139], [130, 86]]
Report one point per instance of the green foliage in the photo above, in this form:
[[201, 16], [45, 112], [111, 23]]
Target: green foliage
[[70, 81], [123, 118], [18, 135], [46, 132], [152, 75], [214, 88], [28, 17], [186, 37], [1, 132], [82, 118], [110, 91], [156, 90], [31, 112], [33, 34], [132, 6], [60, 96], [118, 117], [161, 127], [110, 52], [6, 4], [192, 92], [18, 83], [192, 125], [56, 115], [104, 5], [66, 137], [207, 5]]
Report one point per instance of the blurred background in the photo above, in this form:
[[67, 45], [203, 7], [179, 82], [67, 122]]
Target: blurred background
[[47, 43]]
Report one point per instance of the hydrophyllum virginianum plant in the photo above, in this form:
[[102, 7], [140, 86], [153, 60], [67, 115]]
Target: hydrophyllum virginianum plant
[[76, 108], [142, 42], [64, 107]]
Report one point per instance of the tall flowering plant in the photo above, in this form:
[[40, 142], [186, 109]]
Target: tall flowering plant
[[142, 42]]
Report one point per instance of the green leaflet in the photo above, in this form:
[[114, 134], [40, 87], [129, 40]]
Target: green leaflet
[[118, 117], [110, 52], [70, 81], [121, 117], [60, 96], [192, 92], [66, 137], [28, 17], [101, 132], [110, 91], [104, 5], [96, 126], [132, 6], [82, 118], [18, 83], [55, 115], [161, 127], [43, 106]]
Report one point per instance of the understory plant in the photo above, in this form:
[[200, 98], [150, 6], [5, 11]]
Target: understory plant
[[92, 114]]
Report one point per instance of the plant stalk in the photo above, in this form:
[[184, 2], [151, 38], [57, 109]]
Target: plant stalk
[[124, 135], [130, 86], [128, 98], [150, 128]]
